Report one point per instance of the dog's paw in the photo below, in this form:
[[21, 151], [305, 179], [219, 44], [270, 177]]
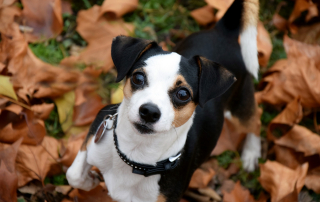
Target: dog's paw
[[251, 152], [85, 182]]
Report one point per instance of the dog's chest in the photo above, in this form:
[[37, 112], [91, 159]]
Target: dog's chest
[[122, 184]]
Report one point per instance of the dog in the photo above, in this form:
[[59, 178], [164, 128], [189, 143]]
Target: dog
[[170, 119]]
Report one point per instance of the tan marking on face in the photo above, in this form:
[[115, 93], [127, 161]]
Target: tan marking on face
[[161, 198], [85, 143], [250, 13], [127, 90], [183, 114]]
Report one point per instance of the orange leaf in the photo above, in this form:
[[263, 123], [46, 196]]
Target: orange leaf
[[113, 9], [279, 22], [281, 181], [312, 180], [201, 178], [35, 162], [98, 194], [44, 17], [98, 32], [301, 139], [264, 45], [238, 194], [203, 15]]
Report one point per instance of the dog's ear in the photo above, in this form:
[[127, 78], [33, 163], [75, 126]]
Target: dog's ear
[[214, 79], [126, 50]]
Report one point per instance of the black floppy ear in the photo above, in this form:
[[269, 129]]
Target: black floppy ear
[[214, 79], [125, 51]]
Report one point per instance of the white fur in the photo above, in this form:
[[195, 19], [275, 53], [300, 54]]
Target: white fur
[[123, 185], [251, 152], [248, 42]]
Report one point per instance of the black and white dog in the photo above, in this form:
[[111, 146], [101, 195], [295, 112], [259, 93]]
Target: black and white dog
[[148, 147]]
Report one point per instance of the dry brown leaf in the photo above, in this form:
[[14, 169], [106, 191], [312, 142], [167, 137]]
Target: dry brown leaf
[[312, 180], [42, 111], [98, 194], [284, 121], [286, 156], [301, 139], [221, 5], [9, 180], [299, 7], [4, 3], [300, 77], [42, 80], [66, 7], [264, 45], [229, 138], [43, 17], [308, 34], [201, 178], [203, 15], [7, 17], [14, 126], [98, 32], [281, 181], [279, 22], [69, 153], [35, 162], [238, 194], [295, 49], [113, 9]]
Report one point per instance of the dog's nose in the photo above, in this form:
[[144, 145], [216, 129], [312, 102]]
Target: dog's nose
[[150, 113]]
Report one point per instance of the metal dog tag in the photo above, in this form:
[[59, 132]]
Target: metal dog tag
[[101, 130], [104, 126]]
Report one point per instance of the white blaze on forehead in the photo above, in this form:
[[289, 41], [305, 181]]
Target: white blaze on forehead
[[161, 72]]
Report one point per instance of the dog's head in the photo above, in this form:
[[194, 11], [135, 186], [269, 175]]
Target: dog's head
[[162, 89]]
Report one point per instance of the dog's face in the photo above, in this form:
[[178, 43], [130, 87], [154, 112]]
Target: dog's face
[[162, 89]]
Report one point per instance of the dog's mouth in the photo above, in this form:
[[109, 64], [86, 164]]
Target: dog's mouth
[[142, 128]]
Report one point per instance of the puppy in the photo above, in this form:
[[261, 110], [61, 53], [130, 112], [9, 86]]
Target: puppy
[[148, 147]]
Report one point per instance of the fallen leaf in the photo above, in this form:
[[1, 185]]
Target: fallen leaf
[[284, 121], [44, 17], [7, 18], [286, 156], [5, 3], [298, 78], [281, 181], [221, 5], [98, 194], [279, 22], [238, 194], [312, 180], [35, 162], [264, 45], [24, 124], [98, 32], [6, 87], [42, 80], [117, 95], [308, 34], [9, 179], [65, 106], [299, 7], [201, 178], [301, 139], [69, 153], [42, 111], [113, 9], [203, 15]]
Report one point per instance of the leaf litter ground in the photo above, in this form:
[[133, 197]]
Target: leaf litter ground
[[55, 75]]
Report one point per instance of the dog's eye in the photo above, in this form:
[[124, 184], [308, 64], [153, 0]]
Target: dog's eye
[[138, 78], [183, 94]]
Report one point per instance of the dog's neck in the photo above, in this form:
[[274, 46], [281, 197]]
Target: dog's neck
[[148, 149]]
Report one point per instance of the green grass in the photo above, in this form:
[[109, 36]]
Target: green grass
[[51, 51], [56, 180], [226, 158], [154, 19], [53, 126]]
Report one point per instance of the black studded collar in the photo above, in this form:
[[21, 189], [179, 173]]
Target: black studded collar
[[139, 168]]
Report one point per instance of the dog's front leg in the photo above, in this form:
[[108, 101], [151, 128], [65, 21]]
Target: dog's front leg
[[79, 174]]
